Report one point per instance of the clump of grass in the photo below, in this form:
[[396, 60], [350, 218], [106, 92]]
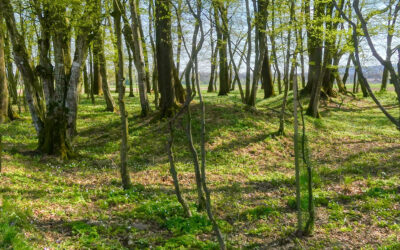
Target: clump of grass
[[12, 222]]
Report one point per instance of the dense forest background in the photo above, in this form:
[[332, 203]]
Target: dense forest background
[[174, 124]]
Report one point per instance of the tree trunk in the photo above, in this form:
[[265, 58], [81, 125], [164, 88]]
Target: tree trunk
[[126, 180], [214, 54], [99, 45], [266, 73], [130, 59], [3, 79], [313, 107], [164, 55], [11, 78], [132, 34], [144, 47], [97, 79], [221, 12], [346, 72], [391, 25], [86, 88], [34, 94], [273, 47], [315, 44]]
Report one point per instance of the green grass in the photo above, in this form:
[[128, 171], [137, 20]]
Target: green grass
[[79, 204]]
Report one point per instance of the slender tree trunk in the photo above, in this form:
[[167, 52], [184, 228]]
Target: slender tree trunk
[[3, 80], [133, 36], [97, 79], [11, 78], [99, 45], [273, 47], [297, 161], [130, 69], [173, 172], [207, 192], [91, 90], [144, 46], [346, 72], [153, 48], [126, 180], [249, 53], [86, 84]]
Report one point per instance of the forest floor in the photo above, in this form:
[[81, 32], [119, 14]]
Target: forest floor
[[78, 204]]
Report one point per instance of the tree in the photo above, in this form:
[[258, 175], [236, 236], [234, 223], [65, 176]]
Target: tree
[[98, 46], [221, 16], [3, 79], [126, 180], [266, 73], [164, 58], [133, 36], [54, 114], [314, 42], [391, 23], [386, 64]]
